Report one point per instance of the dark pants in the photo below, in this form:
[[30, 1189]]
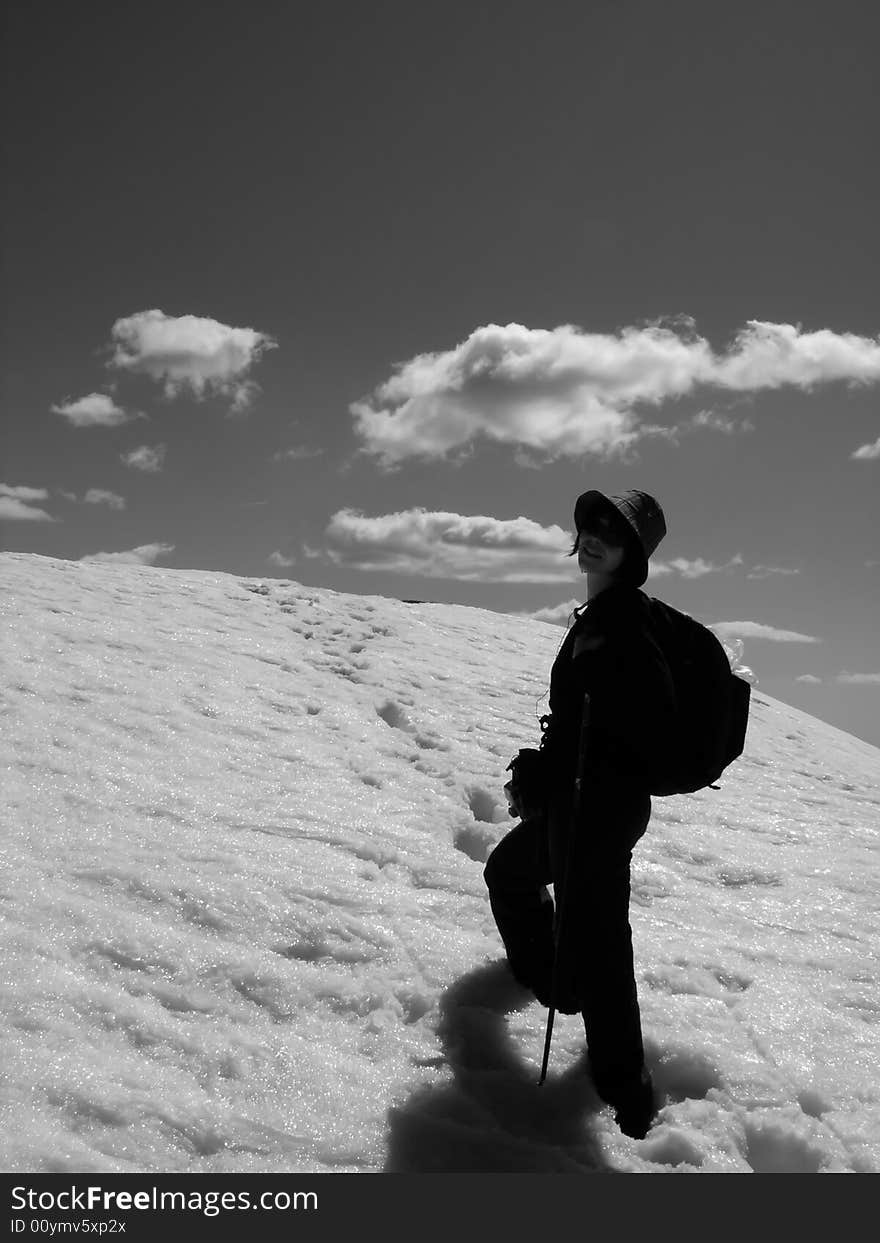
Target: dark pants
[[596, 956]]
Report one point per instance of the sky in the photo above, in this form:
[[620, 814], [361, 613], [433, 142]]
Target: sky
[[366, 296], [245, 927]]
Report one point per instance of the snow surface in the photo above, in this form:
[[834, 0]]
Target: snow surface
[[245, 926]]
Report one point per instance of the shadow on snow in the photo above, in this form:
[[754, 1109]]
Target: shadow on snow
[[493, 1117]]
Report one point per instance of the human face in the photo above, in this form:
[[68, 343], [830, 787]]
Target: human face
[[597, 554]]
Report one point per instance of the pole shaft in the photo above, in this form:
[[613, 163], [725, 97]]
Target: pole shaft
[[562, 899]]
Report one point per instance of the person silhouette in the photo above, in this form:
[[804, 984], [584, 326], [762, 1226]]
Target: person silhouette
[[610, 667]]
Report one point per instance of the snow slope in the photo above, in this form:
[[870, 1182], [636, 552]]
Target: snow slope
[[245, 926]]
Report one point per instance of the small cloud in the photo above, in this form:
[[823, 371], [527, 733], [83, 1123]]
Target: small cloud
[[696, 568], [16, 504], [658, 431], [188, 352], [98, 496], [756, 630], [556, 614], [659, 569], [720, 422], [809, 678], [692, 569], [764, 571], [521, 458], [867, 452], [278, 558], [145, 458], [94, 410], [297, 454], [859, 679], [872, 564], [447, 545], [145, 554]]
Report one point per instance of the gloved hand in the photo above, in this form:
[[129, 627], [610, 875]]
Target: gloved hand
[[511, 794], [526, 791]]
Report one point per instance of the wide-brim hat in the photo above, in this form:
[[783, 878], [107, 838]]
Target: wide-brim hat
[[634, 517]]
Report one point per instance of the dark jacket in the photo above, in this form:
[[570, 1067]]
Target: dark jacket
[[611, 654]]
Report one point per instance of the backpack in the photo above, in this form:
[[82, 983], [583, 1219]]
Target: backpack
[[712, 703]]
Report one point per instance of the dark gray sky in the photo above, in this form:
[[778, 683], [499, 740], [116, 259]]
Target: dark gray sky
[[313, 196]]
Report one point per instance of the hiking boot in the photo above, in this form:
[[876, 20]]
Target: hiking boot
[[634, 1107]]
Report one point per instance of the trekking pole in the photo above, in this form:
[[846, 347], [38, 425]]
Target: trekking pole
[[561, 905]]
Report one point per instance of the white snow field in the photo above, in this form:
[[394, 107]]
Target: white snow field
[[245, 926]]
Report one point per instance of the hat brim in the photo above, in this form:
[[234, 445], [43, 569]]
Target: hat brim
[[593, 504]]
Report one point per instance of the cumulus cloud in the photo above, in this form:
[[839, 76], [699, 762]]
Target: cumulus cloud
[[756, 630], [473, 548], [867, 453], [278, 558], [146, 458], [144, 554], [188, 352], [809, 678], [567, 392], [99, 496], [16, 504], [859, 679], [23, 493], [453, 546], [772, 355], [94, 410]]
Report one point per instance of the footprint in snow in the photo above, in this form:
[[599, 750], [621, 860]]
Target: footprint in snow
[[394, 716]]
